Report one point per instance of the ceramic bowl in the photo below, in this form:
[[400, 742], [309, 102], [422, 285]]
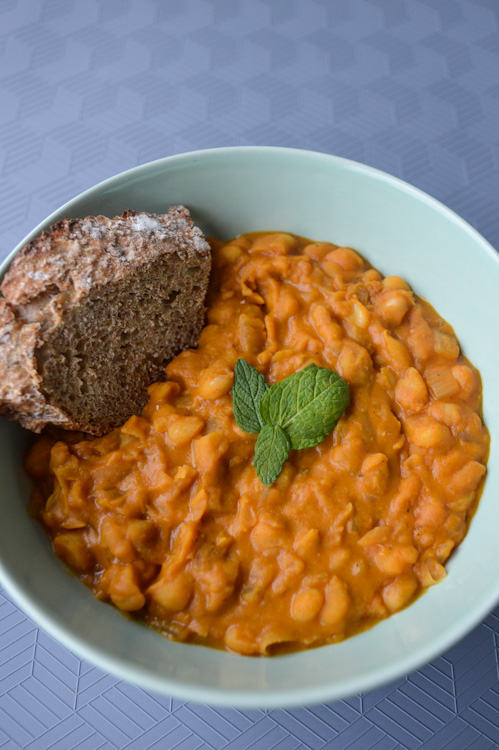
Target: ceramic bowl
[[401, 231]]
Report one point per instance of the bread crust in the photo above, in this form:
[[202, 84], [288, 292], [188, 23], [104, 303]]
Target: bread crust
[[56, 272]]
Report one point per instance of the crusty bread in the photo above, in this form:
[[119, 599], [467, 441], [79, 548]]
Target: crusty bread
[[91, 313]]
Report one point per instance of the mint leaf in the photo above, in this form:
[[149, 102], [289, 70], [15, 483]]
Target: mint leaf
[[271, 451], [247, 391], [307, 405]]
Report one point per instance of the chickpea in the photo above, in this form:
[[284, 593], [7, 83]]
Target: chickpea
[[338, 558], [239, 638], [136, 426], [429, 572], [327, 328], [468, 478], [377, 535], [208, 450], [214, 383], [354, 363], [172, 594], [451, 414], [426, 432], [375, 474], [307, 543], [143, 534], [394, 353], [227, 254], [182, 429], [123, 588], [306, 605], [395, 560], [430, 512], [411, 392], [346, 258], [318, 250], [443, 550], [399, 593], [266, 535], [420, 341], [71, 547], [359, 317], [395, 282], [337, 602], [114, 537], [331, 269], [467, 380], [277, 243], [288, 304], [392, 306], [252, 334]]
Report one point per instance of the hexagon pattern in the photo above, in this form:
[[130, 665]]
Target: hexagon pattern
[[89, 88]]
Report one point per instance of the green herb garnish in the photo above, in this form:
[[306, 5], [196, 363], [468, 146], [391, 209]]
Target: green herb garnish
[[249, 387], [271, 451], [299, 412]]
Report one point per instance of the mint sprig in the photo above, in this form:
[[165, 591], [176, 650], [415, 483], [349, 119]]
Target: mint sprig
[[271, 451], [307, 405], [299, 412], [249, 388]]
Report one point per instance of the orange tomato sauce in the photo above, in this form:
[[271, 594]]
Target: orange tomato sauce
[[166, 518]]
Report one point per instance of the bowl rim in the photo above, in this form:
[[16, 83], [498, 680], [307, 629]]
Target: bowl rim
[[250, 699]]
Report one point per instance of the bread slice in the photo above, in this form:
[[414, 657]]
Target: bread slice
[[91, 313]]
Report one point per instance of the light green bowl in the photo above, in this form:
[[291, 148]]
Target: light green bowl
[[401, 231]]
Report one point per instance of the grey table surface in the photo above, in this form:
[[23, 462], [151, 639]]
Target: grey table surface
[[89, 88]]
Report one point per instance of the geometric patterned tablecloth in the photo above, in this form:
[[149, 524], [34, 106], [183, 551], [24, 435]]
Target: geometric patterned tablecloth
[[89, 88]]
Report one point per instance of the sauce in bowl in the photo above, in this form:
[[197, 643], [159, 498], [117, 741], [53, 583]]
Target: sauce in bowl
[[167, 519]]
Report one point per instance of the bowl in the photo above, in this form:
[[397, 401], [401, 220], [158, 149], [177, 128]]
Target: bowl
[[401, 231]]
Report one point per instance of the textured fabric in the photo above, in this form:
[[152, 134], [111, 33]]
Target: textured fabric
[[89, 88]]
